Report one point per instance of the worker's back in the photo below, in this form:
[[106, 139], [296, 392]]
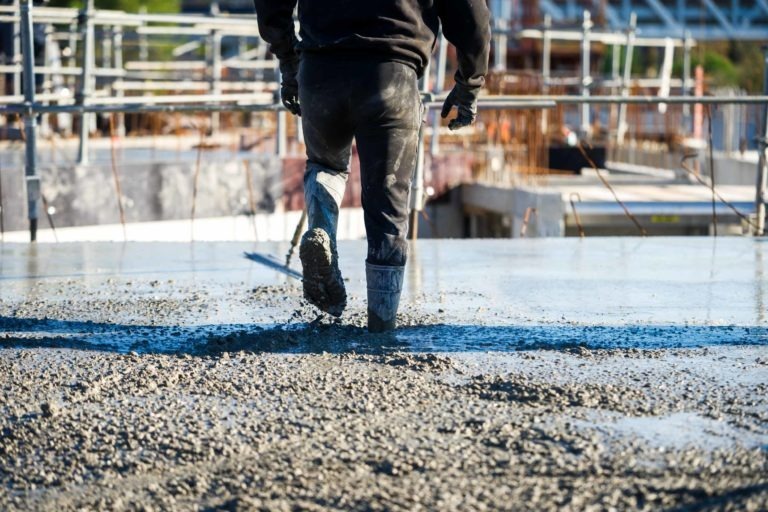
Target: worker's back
[[387, 30], [401, 30]]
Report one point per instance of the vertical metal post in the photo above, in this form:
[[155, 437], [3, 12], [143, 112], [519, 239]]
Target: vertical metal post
[[45, 125], [687, 43], [17, 53], [72, 58], [625, 81], [762, 165], [586, 77], [86, 86], [214, 45], [546, 64], [417, 186], [282, 119], [546, 54], [143, 46], [30, 132], [500, 46], [106, 47], [442, 54], [117, 44], [615, 62]]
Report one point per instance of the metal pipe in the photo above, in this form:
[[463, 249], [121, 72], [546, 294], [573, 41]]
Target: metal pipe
[[45, 126], [117, 43], [86, 89], [520, 101], [143, 50], [17, 51], [630, 44], [500, 44], [282, 119], [196, 103], [214, 41], [546, 67], [686, 90], [762, 165], [30, 121], [437, 88], [417, 185], [586, 76]]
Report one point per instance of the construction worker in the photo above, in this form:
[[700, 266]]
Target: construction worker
[[353, 73]]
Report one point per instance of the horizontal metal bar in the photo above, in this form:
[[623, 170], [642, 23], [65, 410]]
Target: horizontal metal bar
[[596, 37], [184, 98], [630, 100], [110, 17], [491, 103], [143, 109], [250, 64], [138, 65], [51, 70], [197, 65], [243, 103], [198, 30], [185, 85]]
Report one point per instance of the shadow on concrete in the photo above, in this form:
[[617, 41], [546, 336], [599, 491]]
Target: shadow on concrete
[[333, 337]]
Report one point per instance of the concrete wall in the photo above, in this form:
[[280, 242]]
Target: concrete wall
[[548, 220], [156, 186]]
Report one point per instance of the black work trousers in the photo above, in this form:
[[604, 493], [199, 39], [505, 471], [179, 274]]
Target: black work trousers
[[379, 105]]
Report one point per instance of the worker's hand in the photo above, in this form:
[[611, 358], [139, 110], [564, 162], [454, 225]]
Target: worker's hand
[[289, 87], [464, 98]]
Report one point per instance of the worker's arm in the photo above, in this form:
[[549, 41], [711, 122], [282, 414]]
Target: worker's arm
[[275, 20], [466, 25]]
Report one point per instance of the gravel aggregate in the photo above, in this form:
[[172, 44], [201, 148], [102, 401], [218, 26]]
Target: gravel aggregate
[[149, 401]]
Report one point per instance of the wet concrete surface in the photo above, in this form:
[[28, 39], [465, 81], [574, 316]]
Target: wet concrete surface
[[546, 374]]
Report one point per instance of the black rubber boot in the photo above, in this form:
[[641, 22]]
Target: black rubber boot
[[384, 287], [323, 283]]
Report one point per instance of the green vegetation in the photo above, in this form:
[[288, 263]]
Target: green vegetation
[[726, 64], [158, 6]]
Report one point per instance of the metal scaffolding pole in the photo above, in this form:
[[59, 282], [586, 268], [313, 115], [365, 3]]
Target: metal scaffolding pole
[[16, 52], [586, 76], [281, 144], [442, 53], [546, 65], [117, 43], [762, 161], [417, 185], [630, 45], [86, 86], [30, 121], [686, 91], [214, 47]]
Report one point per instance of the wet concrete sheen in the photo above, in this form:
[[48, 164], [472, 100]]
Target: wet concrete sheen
[[598, 374], [459, 295]]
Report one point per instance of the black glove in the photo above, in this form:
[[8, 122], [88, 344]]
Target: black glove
[[289, 87], [465, 99]]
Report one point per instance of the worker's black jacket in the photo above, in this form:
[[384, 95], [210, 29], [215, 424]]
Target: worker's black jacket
[[395, 30]]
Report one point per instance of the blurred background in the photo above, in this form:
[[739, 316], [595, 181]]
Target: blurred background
[[579, 169]]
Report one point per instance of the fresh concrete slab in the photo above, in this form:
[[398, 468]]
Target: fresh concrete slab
[[619, 373]]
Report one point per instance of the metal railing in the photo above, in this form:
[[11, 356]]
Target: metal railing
[[31, 107]]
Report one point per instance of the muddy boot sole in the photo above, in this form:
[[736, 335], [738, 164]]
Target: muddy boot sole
[[323, 284]]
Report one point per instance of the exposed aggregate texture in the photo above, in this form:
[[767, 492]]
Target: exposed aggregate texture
[[312, 413]]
